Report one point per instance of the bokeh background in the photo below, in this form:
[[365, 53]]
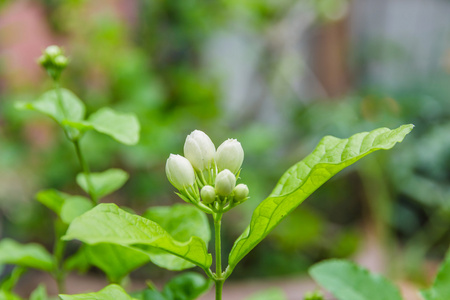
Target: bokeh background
[[275, 74]]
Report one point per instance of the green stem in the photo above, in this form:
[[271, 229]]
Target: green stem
[[219, 281], [86, 171], [58, 253]]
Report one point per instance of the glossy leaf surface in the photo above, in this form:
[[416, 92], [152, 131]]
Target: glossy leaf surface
[[25, 255], [122, 127], [110, 292], [301, 180], [348, 281], [106, 223], [104, 183], [182, 222]]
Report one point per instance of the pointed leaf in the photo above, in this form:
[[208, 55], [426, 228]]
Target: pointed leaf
[[115, 260], [122, 127], [182, 222], [347, 281], [107, 223], [441, 288], [110, 292], [66, 206], [68, 107], [104, 183], [330, 156], [28, 255]]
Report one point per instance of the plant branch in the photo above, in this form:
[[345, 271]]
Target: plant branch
[[85, 168]]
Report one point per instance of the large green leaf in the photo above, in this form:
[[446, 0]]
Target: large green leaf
[[110, 292], [347, 281], [440, 290], [301, 180], [28, 255], [182, 222], [65, 106], [116, 261], [122, 127], [103, 183], [106, 223], [66, 206]]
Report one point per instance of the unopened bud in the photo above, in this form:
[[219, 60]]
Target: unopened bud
[[179, 171], [61, 61], [52, 51], [240, 192], [208, 194], [230, 155], [225, 183], [199, 150]]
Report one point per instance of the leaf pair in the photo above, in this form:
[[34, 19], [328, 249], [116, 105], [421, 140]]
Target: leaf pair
[[68, 110], [118, 241]]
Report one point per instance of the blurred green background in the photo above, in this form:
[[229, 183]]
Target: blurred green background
[[275, 74]]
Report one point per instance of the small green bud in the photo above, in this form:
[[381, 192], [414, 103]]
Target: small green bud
[[230, 155], [240, 192], [208, 194], [53, 61], [179, 171], [199, 150], [225, 183], [61, 61], [52, 51]]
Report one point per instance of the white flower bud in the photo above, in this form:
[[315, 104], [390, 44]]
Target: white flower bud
[[208, 194], [52, 51], [230, 155], [240, 192], [225, 182], [179, 171], [199, 150]]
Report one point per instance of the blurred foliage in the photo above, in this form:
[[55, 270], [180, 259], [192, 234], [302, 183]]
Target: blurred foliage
[[149, 57]]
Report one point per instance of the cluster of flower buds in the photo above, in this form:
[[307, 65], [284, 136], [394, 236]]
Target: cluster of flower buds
[[207, 177], [53, 61]]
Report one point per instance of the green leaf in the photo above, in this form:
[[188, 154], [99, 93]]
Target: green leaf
[[440, 290], [122, 127], [69, 107], [104, 183], [40, 293], [106, 223], [66, 206], [29, 255], [110, 292], [186, 286], [5, 295], [182, 222], [301, 180], [115, 260], [348, 281], [271, 294]]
